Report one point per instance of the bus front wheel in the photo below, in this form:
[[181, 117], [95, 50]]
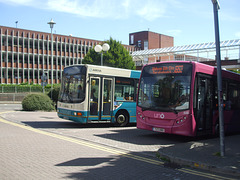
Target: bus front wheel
[[122, 118]]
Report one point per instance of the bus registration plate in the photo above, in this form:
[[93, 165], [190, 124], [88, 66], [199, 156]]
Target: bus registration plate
[[158, 129]]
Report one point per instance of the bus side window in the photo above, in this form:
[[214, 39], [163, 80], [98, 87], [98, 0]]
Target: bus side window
[[224, 94], [124, 89], [233, 96]]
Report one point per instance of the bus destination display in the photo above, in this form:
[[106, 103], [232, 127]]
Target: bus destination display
[[174, 69]]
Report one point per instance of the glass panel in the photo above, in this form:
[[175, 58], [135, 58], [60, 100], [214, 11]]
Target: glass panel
[[107, 96], [204, 110], [234, 97], [73, 85], [201, 102], [165, 87], [124, 89], [94, 96]]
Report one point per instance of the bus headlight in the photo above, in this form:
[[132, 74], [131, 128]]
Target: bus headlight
[[140, 115], [181, 120], [117, 106], [77, 114]]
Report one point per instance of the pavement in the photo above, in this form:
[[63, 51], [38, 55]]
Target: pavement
[[205, 154], [198, 153]]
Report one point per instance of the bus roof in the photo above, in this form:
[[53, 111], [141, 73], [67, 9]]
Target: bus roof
[[204, 68], [110, 71]]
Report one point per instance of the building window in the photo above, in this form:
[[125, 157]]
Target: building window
[[132, 39], [145, 45], [139, 43]]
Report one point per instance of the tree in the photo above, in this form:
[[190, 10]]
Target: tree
[[117, 56], [236, 71]]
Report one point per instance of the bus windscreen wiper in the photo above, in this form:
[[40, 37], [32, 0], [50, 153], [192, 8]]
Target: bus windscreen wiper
[[174, 110], [146, 108]]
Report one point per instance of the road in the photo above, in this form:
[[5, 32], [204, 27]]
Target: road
[[95, 151]]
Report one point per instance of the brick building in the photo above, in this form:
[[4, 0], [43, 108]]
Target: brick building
[[150, 40], [25, 55]]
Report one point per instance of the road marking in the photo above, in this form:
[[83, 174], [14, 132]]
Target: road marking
[[208, 175], [84, 143], [111, 150]]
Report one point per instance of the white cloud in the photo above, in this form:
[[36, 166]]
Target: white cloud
[[16, 2], [152, 10], [147, 9], [30, 3]]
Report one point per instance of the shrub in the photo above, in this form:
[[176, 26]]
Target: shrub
[[33, 102], [55, 93], [16, 88]]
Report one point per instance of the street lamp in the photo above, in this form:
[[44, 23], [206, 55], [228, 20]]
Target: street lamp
[[99, 49], [51, 23], [216, 7]]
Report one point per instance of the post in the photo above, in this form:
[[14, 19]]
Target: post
[[51, 23], [99, 49], [101, 58], [51, 62], [219, 77], [239, 55]]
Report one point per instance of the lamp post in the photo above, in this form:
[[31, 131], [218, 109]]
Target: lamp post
[[51, 23], [99, 49], [219, 77]]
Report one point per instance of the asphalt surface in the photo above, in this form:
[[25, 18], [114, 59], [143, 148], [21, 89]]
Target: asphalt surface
[[39, 145]]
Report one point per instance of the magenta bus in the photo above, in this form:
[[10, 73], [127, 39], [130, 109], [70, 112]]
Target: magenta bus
[[180, 97]]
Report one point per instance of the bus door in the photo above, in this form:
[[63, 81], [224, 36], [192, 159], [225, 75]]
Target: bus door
[[204, 110], [107, 99], [100, 99]]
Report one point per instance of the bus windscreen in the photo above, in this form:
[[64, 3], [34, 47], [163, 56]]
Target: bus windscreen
[[165, 87], [73, 85]]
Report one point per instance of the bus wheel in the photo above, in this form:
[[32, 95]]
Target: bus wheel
[[121, 118]]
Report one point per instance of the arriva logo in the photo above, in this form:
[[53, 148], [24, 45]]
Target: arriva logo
[[159, 116]]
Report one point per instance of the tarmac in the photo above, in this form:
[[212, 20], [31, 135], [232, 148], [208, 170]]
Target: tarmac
[[206, 154], [201, 153]]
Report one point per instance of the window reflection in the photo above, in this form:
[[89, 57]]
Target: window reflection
[[165, 92], [73, 86]]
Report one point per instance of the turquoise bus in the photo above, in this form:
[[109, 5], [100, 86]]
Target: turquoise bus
[[91, 94]]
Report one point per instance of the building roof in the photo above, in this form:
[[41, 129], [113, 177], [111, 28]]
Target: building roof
[[186, 49]]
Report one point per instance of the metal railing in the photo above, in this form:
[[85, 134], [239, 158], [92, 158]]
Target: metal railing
[[16, 94], [20, 89]]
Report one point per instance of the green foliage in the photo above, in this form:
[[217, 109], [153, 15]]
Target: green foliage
[[48, 87], [217, 154], [33, 102], [24, 87], [236, 71], [55, 92], [14, 88], [26, 83], [117, 56]]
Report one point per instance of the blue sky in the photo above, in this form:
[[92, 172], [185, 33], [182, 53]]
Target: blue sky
[[188, 21]]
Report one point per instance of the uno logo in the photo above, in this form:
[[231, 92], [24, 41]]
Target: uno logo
[[161, 116]]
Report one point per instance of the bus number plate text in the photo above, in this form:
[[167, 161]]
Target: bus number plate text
[[158, 129]]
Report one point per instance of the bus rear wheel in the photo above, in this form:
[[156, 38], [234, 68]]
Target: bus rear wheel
[[122, 118]]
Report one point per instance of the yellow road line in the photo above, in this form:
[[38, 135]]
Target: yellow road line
[[111, 150], [208, 175], [84, 143]]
